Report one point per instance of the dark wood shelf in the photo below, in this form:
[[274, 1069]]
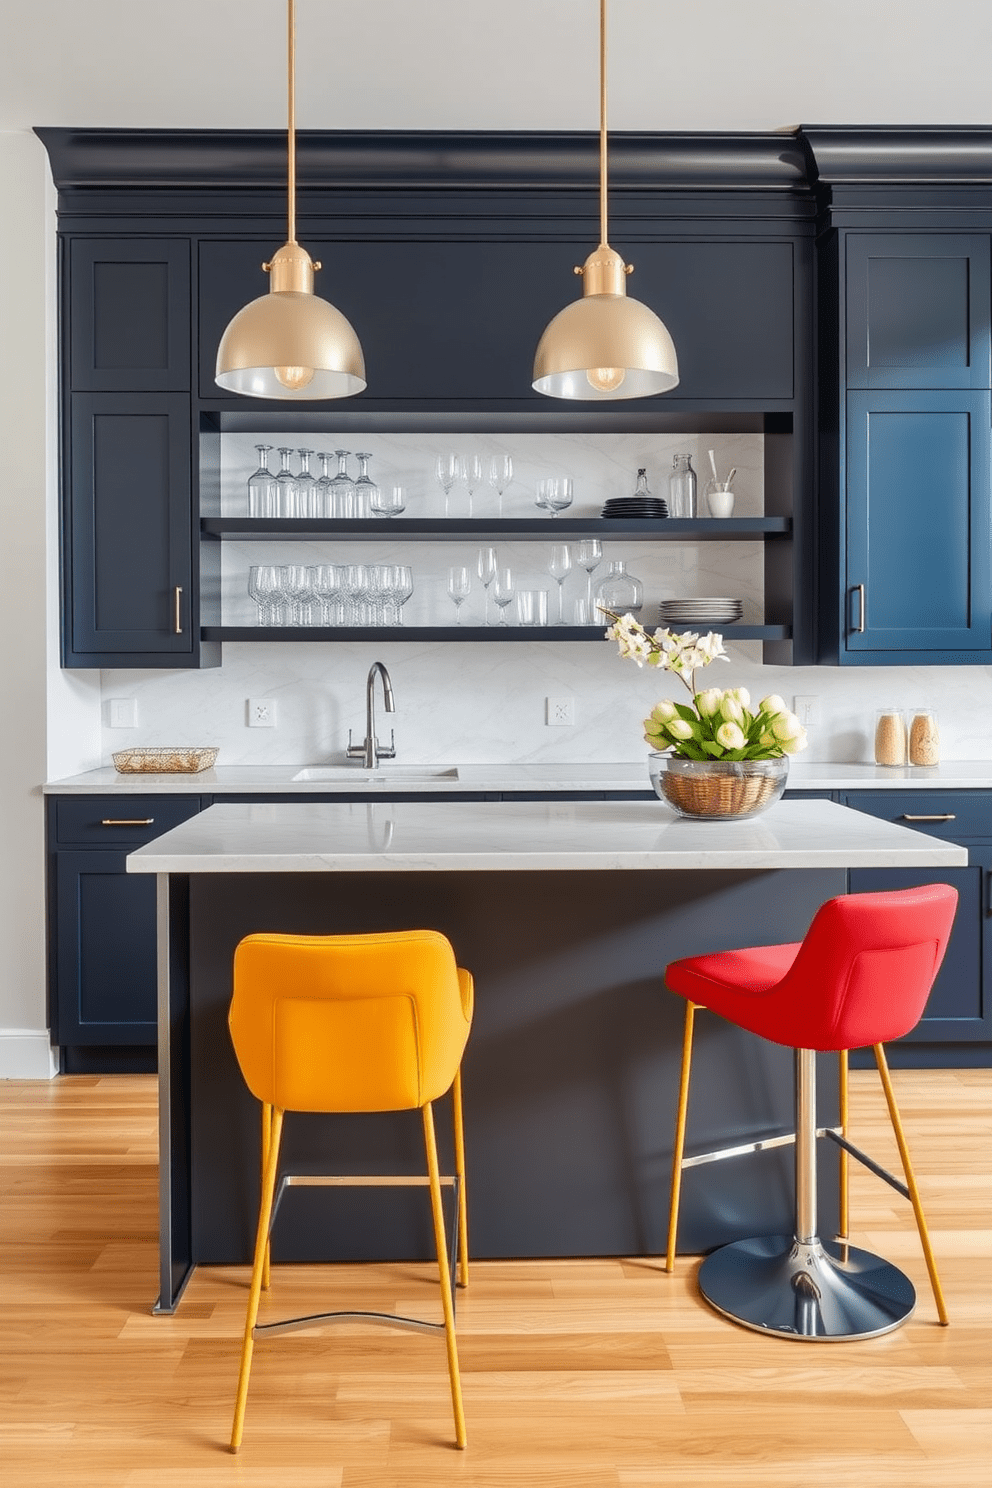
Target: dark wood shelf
[[441, 529], [280, 633]]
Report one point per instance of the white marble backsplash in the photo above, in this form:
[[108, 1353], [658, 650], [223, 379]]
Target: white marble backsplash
[[485, 702]]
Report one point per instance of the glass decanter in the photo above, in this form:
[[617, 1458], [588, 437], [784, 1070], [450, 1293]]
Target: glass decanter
[[262, 486], [366, 490], [342, 488], [682, 488], [287, 491], [619, 591]]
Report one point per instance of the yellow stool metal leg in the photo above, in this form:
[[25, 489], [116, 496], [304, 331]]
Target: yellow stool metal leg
[[844, 1221], [679, 1148], [440, 1243], [914, 1193], [456, 1097], [266, 1139], [261, 1239]]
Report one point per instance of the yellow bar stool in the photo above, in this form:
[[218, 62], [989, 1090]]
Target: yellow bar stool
[[349, 1023]]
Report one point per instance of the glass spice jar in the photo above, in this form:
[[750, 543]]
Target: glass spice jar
[[924, 738], [890, 737]]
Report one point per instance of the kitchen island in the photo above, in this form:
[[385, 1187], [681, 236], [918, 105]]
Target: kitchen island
[[566, 913]]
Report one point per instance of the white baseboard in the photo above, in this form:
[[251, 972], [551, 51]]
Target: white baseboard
[[27, 1054]]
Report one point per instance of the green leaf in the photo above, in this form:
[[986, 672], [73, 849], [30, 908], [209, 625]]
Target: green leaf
[[684, 711]]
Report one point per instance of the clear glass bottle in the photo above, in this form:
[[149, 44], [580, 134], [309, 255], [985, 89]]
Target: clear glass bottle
[[342, 488], [642, 490], [366, 490], [262, 486], [287, 491], [619, 591], [682, 488]]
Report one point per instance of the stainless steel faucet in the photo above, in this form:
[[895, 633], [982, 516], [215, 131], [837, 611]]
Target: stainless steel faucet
[[371, 751]]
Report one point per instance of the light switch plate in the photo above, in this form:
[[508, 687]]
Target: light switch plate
[[807, 710], [122, 713]]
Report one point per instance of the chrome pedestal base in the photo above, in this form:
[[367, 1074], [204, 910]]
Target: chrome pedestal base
[[815, 1290]]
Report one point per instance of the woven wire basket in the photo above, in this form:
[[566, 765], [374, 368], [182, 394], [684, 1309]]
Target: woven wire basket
[[163, 761], [718, 788]]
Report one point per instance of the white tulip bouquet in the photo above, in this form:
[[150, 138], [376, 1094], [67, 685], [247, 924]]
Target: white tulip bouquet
[[718, 725]]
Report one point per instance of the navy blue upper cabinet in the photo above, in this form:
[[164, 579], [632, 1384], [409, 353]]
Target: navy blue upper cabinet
[[458, 320], [918, 526], [129, 314], [918, 310]]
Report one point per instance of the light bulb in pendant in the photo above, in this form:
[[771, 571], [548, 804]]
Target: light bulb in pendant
[[295, 377], [605, 379]]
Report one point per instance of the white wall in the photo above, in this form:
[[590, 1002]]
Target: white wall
[[522, 64]]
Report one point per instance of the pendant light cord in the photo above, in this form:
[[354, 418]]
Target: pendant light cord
[[291, 212], [602, 121]]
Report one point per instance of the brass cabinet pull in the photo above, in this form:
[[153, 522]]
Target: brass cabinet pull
[[938, 816], [127, 821], [177, 622], [859, 590]]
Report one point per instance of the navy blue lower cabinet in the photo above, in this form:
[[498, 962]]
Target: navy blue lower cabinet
[[102, 929], [919, 514]]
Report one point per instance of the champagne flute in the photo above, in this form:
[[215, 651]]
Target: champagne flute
[[473, 475], [262, 486], [503, 591], [448, 471], [486, 569], [589, 557], [559, 567], [459, 589], [500, 476]]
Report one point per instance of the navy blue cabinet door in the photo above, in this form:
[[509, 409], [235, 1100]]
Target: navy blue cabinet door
[[919, 509], [458, 320], [106, 951], [129, 531], [959, 1009], [918, 310], [129, 315]]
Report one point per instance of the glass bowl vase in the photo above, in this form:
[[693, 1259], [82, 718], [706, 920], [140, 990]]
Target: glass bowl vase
[[717, 790]]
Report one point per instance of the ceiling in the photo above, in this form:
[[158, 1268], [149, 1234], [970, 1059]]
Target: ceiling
[[495, 64]]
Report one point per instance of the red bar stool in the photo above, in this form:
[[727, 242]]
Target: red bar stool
[[861, 976]]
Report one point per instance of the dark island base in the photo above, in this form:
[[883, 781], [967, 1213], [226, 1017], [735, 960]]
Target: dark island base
[[570, 1077]]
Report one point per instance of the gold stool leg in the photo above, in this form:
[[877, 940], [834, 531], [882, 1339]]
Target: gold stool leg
[[261, 1239], [679, 1148], [914, 1193], [440, 1244], [844, 1221], [266, 1139], [456, 1097]]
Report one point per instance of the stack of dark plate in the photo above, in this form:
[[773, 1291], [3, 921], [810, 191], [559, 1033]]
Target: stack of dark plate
[[700, 612], [632, 508]]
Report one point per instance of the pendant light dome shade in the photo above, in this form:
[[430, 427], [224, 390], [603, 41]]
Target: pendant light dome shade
[[605, 346], [289, 343]]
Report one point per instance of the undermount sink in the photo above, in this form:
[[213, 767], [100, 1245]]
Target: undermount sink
[[381, 775]]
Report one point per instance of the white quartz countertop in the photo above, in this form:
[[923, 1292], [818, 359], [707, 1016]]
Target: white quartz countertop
[[413, 836], [459, 778]]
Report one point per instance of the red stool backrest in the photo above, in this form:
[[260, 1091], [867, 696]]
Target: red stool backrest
[[865, 969]]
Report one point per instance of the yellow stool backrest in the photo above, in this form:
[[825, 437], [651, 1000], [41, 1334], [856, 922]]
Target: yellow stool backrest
[[349, 1022]]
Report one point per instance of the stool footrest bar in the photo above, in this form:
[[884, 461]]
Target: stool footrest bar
[[869, 1163], [362, 1180], [765, 1144], [316, 1319]]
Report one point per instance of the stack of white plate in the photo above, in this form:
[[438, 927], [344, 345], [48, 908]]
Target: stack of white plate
[[700, 612]]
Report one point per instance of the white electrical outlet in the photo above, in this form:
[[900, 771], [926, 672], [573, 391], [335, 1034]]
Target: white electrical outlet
[[560, 711], [123, 713], [807, 710], [261, 713]]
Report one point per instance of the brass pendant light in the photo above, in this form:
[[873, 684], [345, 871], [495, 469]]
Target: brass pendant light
[[290, 343], [605, 346]]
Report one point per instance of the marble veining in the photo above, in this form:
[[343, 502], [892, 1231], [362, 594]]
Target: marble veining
[[465, 836]]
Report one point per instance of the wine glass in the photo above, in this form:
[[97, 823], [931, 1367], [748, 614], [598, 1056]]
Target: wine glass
[[500, 476], [503, 591], [473, 474], [448, 470], [342, 488], [589, 557], [262, 486], [389, 501], [555, 493], [559, 567], [322, 490], [287, 492], [298, 585], [264, 586], [327, 588], [403, 589], [306, 486], [485, 567], [459, 589], [366, 490]]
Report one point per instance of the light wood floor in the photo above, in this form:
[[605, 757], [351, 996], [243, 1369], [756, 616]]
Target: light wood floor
[[581, 1374]]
